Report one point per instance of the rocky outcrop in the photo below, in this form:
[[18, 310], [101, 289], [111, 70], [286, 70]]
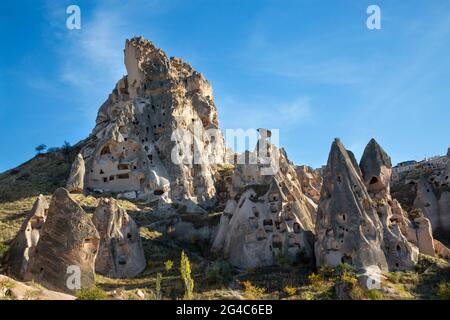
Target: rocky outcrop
[[311, 182], [426, 186], [376, 171], [348, 229], [23, 247], [15, 290], [156, 137], [67, 247], [120, 253], [75, 183], [268, 215]]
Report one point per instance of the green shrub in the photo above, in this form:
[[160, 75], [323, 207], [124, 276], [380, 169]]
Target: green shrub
[[92, 293], [219, 272], [185, 269], [374, 294], [444, 291], [290, 291], [252, 292]]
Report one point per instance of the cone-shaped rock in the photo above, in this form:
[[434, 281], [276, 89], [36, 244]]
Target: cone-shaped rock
[[64, 258], [75, 183], [120, 252], [23, 246], [376, 169], [347, 229]]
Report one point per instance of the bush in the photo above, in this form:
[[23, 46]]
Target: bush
[[315, 279], [92, 293], [185, 269], [168, 265], [374, 294], [219, 272], [252, 292], [444, 291], [290, 291]]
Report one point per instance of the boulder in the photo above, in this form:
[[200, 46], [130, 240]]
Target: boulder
[[311, 182], [23, 247], [75, 183], [120, 253], [64, 257]]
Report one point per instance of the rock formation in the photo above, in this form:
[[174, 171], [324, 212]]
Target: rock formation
[[68, 243], [75, 183], [120, 253], [427, 187], [156, 137], [268, 215], [376, 171], [348, 229], [23, 246], [311, 182]]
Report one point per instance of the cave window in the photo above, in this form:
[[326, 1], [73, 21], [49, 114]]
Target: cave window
[[158, 192], [373, 180], [428, 190], [101, 171], [123, 166], [296, 227], [398, 248], [111, 178], [105, 150], [339, 179], [129, 236], [134, 167], [123, 176], [268, 222], [105, 179]]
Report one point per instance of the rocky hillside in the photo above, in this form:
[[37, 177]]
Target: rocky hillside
[[153, 190]]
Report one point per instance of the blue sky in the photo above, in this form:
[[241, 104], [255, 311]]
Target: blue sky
[[310, 68]]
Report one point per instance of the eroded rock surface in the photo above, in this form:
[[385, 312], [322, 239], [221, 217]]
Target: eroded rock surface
[[311, 182], [68, 243], [348, 229], [162, 103], [268, 215], [75, 183], [23, 246], [376, 169], [120, 254]]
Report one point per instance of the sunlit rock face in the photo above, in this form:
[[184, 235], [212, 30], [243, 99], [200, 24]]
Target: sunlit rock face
[[75, 183], [376, 171], [268, 216], [121, 254], [67, 247], [311, 182], [156, 137], [23, 247], [348, 229]]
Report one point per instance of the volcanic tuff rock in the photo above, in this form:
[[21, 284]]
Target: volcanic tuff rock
[[68, 239], [427, 187], [376, 168], [311, 182], [348, 229], [160, 104], [23, 247], [120, 253], [75, 183], [267, 215]]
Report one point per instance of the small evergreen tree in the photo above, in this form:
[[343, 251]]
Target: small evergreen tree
[[40, 148]]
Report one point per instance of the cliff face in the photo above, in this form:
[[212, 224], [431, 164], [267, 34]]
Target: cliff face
[[156, 136], [426, 186]]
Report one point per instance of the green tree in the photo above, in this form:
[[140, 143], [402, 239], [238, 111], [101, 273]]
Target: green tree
[[40, 148]]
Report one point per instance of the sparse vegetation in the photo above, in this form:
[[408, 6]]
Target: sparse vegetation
[[444, 291], [93, 293], [185, 270], [252, 292]]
